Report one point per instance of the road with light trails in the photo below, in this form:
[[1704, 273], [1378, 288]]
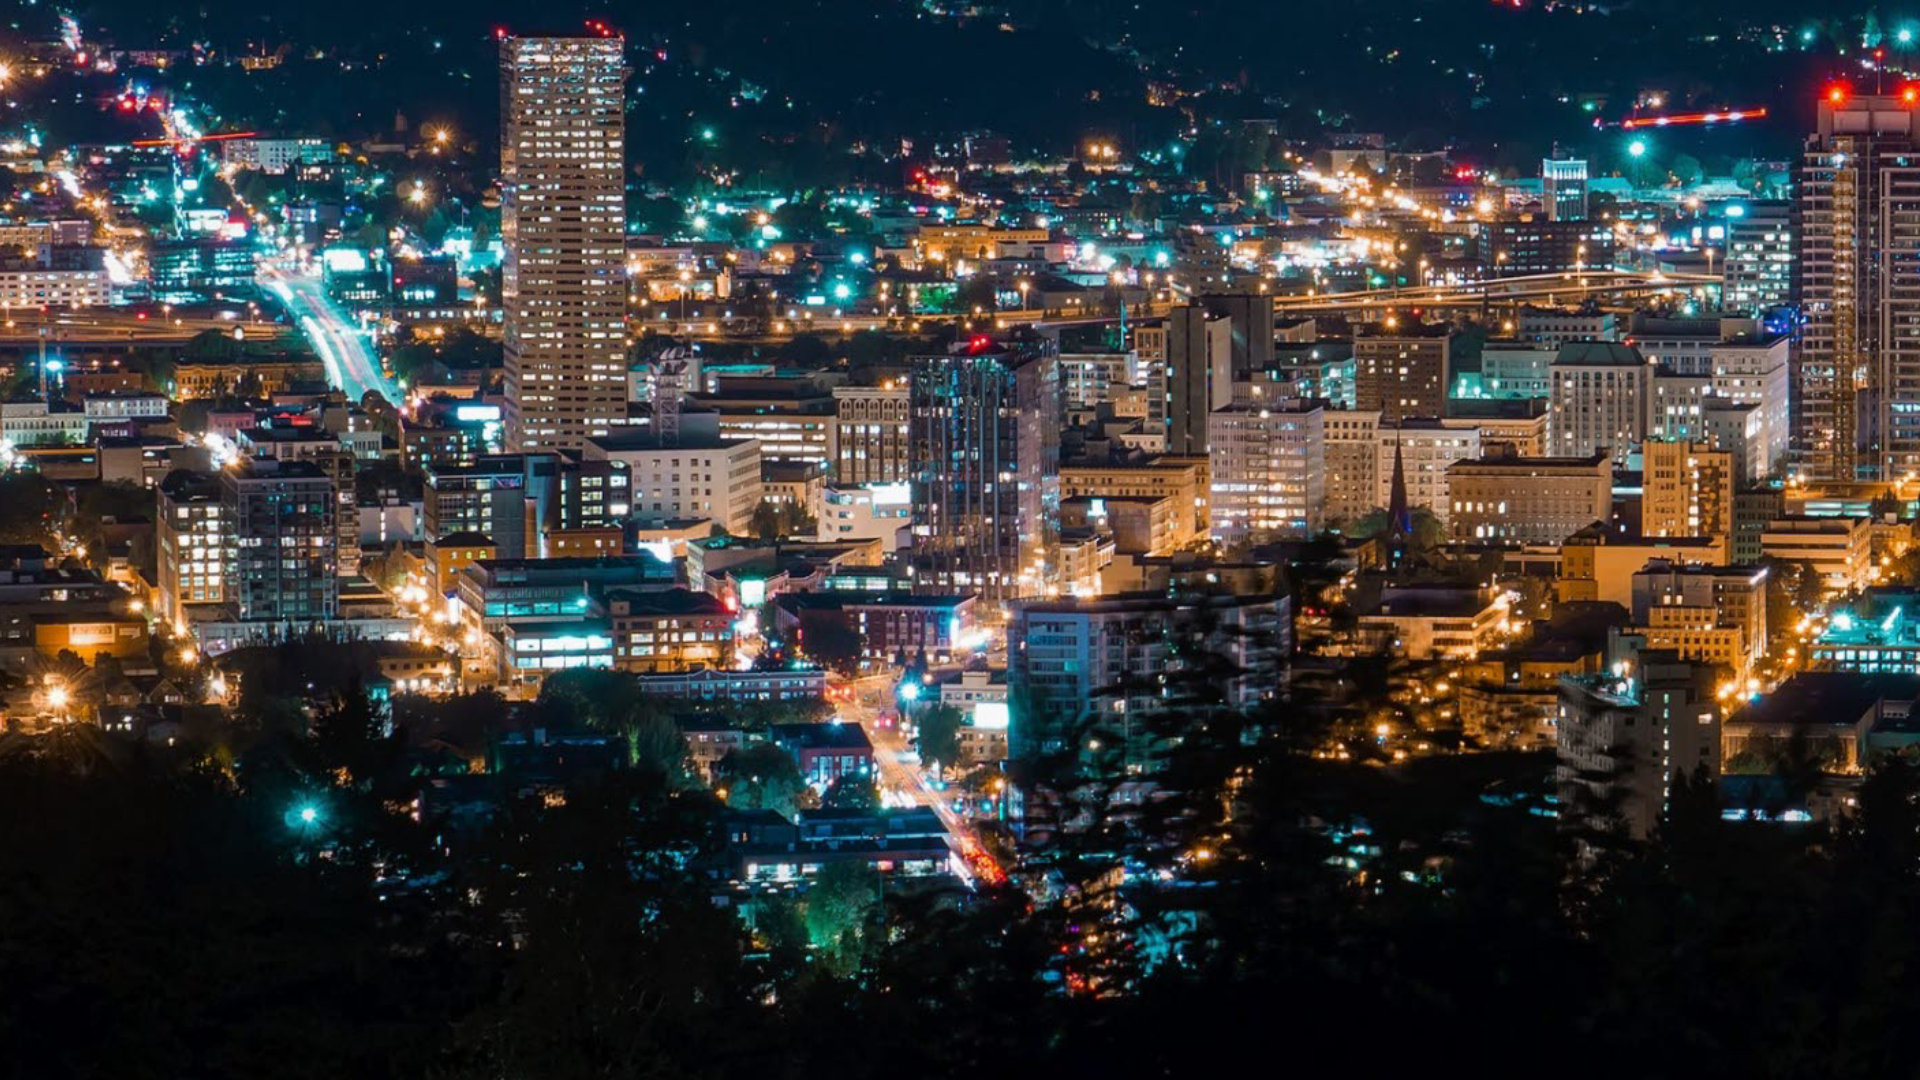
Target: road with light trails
[[900, 775], [349, 359]]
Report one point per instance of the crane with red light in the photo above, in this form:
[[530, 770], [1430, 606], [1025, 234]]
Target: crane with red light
[[1838, 93], [1661, 120], [188, 140]]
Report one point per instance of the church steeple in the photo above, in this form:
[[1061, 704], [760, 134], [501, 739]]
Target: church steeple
[[1399, 514]]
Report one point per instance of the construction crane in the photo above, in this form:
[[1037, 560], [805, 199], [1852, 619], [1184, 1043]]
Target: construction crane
[[1660, 120]]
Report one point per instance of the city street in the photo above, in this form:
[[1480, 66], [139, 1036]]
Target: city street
[[900, 774], [350, 361]]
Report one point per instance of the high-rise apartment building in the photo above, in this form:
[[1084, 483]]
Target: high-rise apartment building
[[986, 462], [1625, 735], [193, 542], [283, 565], [1859, 374], [1100, 665], [563, 225]]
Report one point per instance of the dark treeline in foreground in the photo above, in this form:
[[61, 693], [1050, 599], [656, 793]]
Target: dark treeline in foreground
[[170, 913]]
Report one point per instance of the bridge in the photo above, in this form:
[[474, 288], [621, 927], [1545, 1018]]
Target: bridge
[[1519, 289], [111, 326], [103, 327]]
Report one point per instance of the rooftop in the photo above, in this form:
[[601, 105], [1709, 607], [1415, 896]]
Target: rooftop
[[1825, 698], [830, 735], [647, 442], [1598, 354]]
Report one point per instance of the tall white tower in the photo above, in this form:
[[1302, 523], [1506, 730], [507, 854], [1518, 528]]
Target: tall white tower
[[563, 225]]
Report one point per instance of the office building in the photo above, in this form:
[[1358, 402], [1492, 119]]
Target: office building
[[1753, 369], [1515, 370], [1089, 380], [657, 631], [1711, 614], [1758, 271], [1550, 328], [1183, 480], [686, 477], [869, 435], [1401, 373], [1432, 622], [1753, 510], [882, 512], [1199, 375], [505, 497], [1150, 352], [1686, 490], [1535, 245], [1426, 451], [1563, 189], [1599, 400], [1353, 464], [1836, 549], [791, 417], [1269, 471], [563, 228], [986, 447], [1250, 317], [1528, 500]]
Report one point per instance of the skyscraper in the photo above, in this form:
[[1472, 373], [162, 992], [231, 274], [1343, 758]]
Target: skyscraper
[[985, 436], [1859, 371], [563, 224]]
